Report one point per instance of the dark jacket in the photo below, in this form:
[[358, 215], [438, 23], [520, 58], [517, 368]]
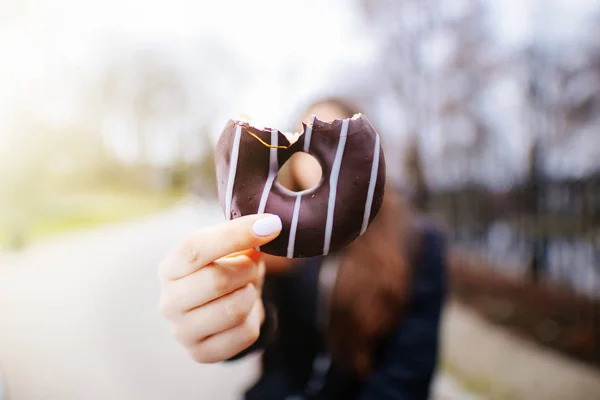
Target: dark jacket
[[296, 363]]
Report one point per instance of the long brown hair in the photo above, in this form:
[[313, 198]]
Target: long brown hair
[[372, 279]]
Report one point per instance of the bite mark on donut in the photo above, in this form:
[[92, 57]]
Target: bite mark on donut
[[292, 137]]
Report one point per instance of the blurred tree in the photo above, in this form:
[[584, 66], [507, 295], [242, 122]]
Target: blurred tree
[[205, 173], [434, 58], [138, 104], [163, 108], [535, 196]]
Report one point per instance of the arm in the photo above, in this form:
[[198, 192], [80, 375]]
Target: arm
[[410, 355]]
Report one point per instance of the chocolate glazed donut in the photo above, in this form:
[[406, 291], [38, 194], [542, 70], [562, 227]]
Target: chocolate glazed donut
[[316, 221]]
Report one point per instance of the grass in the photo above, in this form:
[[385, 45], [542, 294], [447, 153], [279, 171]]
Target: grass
[[54, 212]]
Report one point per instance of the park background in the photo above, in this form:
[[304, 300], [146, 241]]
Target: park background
[[110, 111]]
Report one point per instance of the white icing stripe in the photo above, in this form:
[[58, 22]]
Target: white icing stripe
[[333, 180], [273, 168], [272, 172], [235, 150], [308, 134], [372, 182], [296, 214], [294, 227]]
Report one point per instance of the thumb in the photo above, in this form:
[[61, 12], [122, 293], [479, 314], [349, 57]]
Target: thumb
[[235, 236]]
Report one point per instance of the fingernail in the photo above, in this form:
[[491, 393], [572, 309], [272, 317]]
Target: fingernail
[[267, 226]]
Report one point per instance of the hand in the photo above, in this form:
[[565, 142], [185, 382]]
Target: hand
[[211, 287]]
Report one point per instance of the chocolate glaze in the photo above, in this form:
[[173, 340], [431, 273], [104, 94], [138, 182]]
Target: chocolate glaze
[[351, 213]]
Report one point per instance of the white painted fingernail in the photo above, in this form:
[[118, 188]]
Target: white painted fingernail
[[267, 226]]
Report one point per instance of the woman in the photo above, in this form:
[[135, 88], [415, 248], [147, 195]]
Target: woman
[[360, 324]]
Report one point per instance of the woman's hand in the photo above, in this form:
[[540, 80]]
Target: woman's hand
[[211, 287]]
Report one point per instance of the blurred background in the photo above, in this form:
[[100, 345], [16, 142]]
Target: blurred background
[[110, 111]]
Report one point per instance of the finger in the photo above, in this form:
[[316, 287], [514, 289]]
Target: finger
[[252, 253], [217, 279], [208, 244], [260, 278], [227, 344], [217, 316], [256, 256]]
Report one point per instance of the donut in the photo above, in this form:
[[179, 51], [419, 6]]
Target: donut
[[316, 221]]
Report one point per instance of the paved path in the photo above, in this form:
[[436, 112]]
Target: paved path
[[79, 320], [508, 367]]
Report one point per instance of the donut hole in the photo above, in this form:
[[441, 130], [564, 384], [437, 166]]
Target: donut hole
[[301, 172]]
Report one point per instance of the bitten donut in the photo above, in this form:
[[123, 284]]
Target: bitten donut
[[318, 220]]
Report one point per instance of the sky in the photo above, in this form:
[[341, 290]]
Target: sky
[[48, 48], [286, 52], [39, 38]]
